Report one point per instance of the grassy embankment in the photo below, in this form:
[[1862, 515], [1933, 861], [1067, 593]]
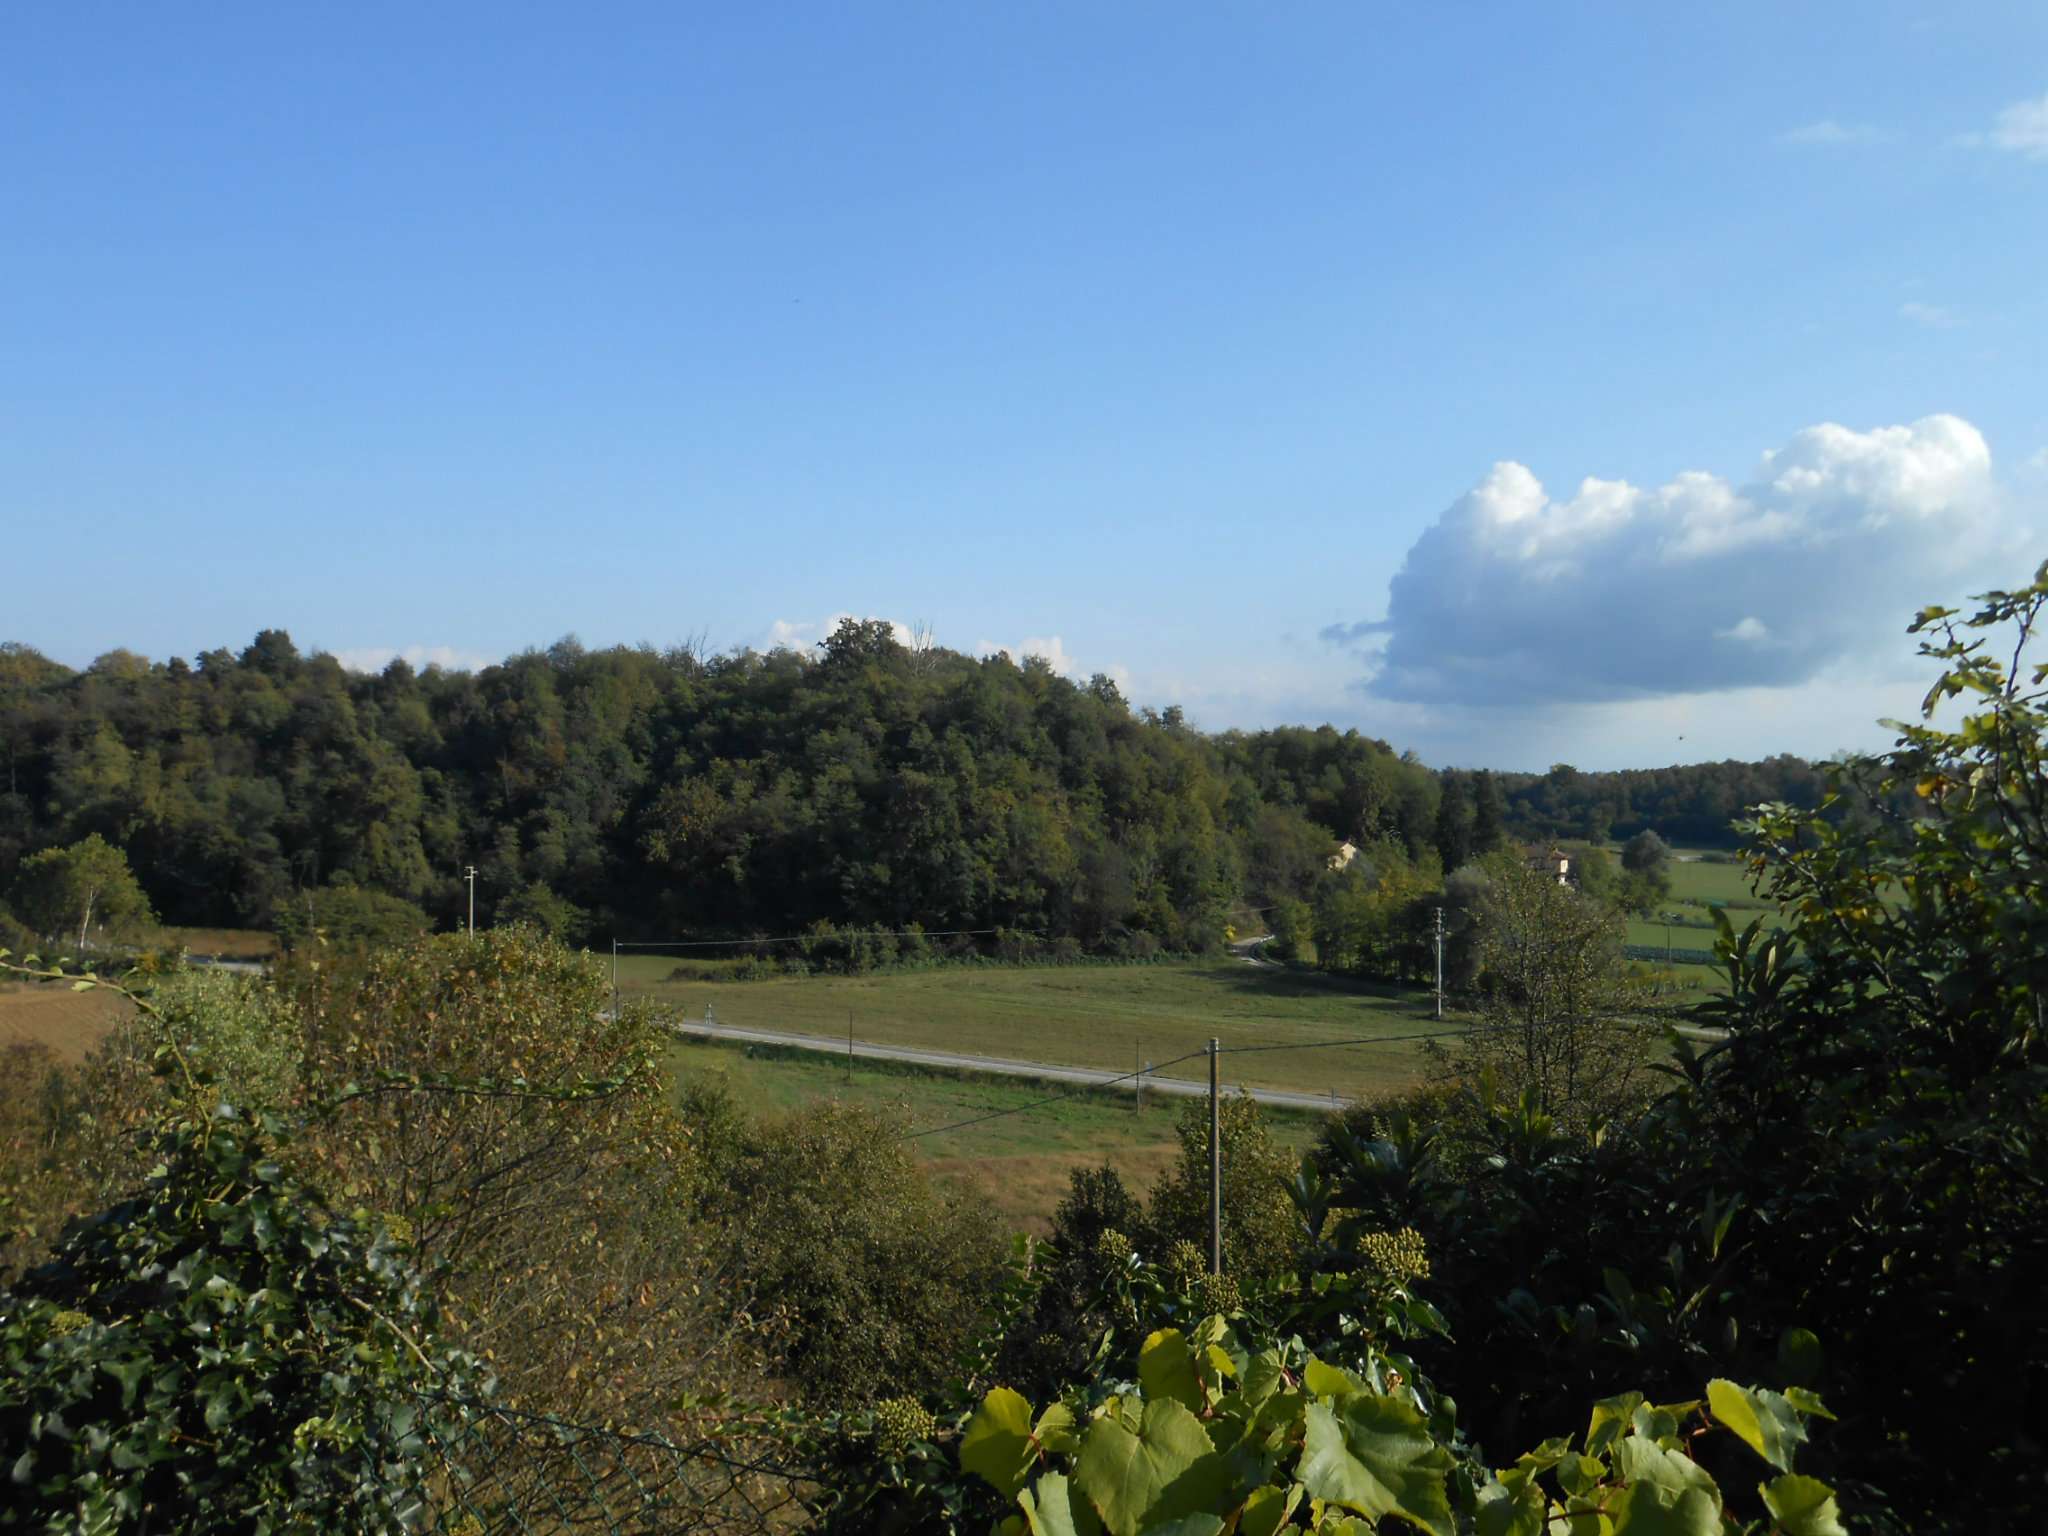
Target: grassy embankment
[[1019, 1163]]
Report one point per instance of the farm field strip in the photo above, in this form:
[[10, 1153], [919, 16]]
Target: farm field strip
[[1106, 1017]]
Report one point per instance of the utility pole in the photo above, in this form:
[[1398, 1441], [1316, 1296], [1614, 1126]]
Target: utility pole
[[1137, 1077], [1215, 1161], [615, 980], [1439, 962], [469, 874], [849, 1047]]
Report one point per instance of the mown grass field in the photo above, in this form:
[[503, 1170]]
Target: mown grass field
[[1106, 1016], [69, 1023], [1019, 1164]]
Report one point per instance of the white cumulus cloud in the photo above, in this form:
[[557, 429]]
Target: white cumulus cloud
[[1615, 592]]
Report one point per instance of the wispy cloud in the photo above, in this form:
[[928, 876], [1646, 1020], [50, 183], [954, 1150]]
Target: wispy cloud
[[1829, 131], [2020, 129], [1936, 317], [375, 658]]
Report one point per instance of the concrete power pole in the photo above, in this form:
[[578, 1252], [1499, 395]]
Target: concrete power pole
[[1439, 962], [469, 874], [615, 979], [1215, 1162]]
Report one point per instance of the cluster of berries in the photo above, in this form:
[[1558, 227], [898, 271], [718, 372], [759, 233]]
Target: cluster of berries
[[900, 1421], [1394, 1258]]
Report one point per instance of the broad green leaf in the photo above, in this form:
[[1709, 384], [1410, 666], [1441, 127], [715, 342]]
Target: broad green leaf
[[1166, 1368], [1764, 1420], [1505, 1511], [1187, 1525], [1807, 1402], [1166, 1469], [1323, 1380], [1268, 1509], [1263, 1376], [997, 1443], [1802, 1506], [1053, 1508], [1637, 1460], [1611, 1415], [1374, 1454], [1649, 1509], [1799, 1356], [1055, 1430]]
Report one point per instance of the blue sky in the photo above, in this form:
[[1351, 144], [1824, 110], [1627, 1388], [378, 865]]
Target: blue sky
[[1253, 355]]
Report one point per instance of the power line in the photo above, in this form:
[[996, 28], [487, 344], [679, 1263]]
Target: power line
[[1319, 1045], [1075, 1092]]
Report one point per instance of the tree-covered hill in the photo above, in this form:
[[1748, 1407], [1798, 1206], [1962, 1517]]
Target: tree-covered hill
[[645, 793]]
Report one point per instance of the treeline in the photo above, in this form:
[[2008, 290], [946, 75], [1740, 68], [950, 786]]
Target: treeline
[[646, 793], [1691, 805]]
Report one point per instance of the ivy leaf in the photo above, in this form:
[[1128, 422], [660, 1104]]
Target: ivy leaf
[[1802, 1506], [1053, 1508], [997, 1444], [1165, 1469], [1374, 1454], [1166, 1368], [1764, 1420]]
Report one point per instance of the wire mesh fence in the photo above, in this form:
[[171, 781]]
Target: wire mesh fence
[[492, 1469]]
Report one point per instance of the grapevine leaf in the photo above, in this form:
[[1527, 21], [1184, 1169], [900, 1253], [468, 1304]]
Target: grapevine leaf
[[1511, 1512], [1054, 1430], [1166, 1469], [1166, 1368], [1764, 1420], [1651, 1509], [1268, 1509], [1374, 1454], [997, 1444], [1611, 1415], [1802, 1506], [1053, 1508], [1188, 1525], [1637, 1460], [1323, 1380]]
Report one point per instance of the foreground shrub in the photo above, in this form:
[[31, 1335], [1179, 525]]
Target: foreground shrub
[[222, 1352]]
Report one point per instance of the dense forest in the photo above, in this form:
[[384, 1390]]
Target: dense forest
[[649, 794]]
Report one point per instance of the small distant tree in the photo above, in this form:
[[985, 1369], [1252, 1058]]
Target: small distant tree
[[1646, 853], [554, 915], [1558, 1012], [350, 916], [62, 888], [1258, 1220], [1646, 873]]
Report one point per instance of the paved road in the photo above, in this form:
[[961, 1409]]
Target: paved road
[[1001, 1066]]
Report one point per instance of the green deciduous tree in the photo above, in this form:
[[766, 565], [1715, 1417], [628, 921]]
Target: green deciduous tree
[[60, 889], [1559, 1018]]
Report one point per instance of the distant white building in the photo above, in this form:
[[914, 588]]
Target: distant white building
[[1342, 858]]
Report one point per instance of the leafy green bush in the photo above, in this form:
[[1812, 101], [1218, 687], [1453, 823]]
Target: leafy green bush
[[221, 1352]]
